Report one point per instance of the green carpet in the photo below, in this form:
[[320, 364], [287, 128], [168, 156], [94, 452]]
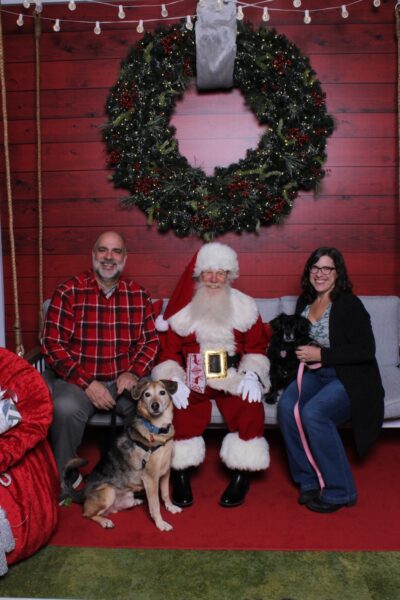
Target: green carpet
[[101, 574]]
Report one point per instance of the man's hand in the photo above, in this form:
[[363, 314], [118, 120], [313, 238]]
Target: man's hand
[[126, 381], [181, 396], [99, 396], [250, 388]]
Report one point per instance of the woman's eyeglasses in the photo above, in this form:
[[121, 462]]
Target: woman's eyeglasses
[[324, 270]]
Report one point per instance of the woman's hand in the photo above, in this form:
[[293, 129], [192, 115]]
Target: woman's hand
[[308, 354]]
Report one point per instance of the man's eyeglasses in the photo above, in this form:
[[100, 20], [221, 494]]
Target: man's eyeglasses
[[324, 270]]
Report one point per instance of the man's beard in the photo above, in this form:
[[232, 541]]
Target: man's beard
[[213, 307], [104, 275]]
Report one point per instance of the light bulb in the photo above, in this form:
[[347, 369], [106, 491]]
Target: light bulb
[[376, 3], [97, 28], [189, 24], [38, 6], [240, 15], [164, 12], [307, 18], [56, 25], [121, 12], [218, 6], [265, 16], [20, 20], [26, 4], [345, 12], [297, 3], [72, 5], [140, 27]]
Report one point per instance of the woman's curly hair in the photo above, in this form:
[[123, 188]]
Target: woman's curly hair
[[342, 283]]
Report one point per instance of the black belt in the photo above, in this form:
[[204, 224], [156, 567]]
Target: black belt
[[233, 361]]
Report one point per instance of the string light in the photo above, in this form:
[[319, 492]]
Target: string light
[[20, 20], [189, 24], [38, 8], [56, 25], [97, 28]]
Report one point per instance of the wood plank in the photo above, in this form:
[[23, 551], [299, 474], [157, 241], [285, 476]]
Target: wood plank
[[171, 265], [206, 152], [383, 125], [342, 181], [106, 212], [67, 45], [76, 103], [276, 238], [104, 72]]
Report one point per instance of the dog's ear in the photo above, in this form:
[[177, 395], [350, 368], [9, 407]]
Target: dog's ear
[[276, 324], [170, 386], [137, 390]]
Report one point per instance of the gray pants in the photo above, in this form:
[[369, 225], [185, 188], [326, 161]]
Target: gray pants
[[72, 410]]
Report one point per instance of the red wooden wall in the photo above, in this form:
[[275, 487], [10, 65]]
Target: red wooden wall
[[356, 208]]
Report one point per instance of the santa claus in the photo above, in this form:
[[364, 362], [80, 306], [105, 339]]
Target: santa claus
[[215, 348]]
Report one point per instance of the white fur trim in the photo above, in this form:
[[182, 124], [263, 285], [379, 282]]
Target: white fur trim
[[214, 256], [188, 453], [251, 455], [161, 323], [260, 365], [168, 370]]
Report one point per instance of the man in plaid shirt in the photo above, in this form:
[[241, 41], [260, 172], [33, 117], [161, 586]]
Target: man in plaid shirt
[[99, 338]]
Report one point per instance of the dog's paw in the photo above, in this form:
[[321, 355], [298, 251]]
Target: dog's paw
[[163, 525], [107, 524], [172, 508], [137, 502]]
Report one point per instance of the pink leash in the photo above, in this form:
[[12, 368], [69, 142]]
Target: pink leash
[[300, 426]]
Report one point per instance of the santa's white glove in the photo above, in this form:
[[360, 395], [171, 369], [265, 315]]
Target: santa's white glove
[[250, 387], [181, 396]]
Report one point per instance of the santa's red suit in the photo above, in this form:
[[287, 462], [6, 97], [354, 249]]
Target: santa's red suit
[[238, 330]]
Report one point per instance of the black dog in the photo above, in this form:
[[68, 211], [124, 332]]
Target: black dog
[[288, 332]]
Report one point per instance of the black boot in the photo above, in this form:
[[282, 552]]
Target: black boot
[[181, 490], [237, 489]]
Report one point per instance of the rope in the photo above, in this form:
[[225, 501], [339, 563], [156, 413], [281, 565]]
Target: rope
[[39, 170], [397, 11], [17, 323]]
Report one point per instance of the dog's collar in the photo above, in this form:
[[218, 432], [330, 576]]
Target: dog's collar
[[153, 429]]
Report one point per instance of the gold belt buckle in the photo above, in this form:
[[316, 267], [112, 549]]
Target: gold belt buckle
[[215, 364]]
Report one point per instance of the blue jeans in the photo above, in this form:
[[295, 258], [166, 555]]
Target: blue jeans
[[324, 404]]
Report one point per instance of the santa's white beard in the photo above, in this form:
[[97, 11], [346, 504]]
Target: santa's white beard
[[212, 317]]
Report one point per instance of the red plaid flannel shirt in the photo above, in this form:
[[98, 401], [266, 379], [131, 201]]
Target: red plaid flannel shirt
[[88, 336]]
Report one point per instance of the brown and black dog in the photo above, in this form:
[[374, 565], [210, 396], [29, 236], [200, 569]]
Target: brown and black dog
[[139, 459]]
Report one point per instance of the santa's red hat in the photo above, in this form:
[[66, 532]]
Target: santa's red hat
[[211, 257]]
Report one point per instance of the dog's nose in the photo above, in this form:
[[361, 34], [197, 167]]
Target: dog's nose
[[155, 406]]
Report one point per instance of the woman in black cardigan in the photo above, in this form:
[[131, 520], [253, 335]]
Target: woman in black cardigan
[[347, 385]]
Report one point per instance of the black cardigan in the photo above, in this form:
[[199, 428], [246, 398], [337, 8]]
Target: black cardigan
[[352, 353]]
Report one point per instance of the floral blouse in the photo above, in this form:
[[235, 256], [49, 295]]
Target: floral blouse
[[319, 331]]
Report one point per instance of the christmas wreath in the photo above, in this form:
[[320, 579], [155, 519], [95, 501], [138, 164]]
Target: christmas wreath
[[281, 89]]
